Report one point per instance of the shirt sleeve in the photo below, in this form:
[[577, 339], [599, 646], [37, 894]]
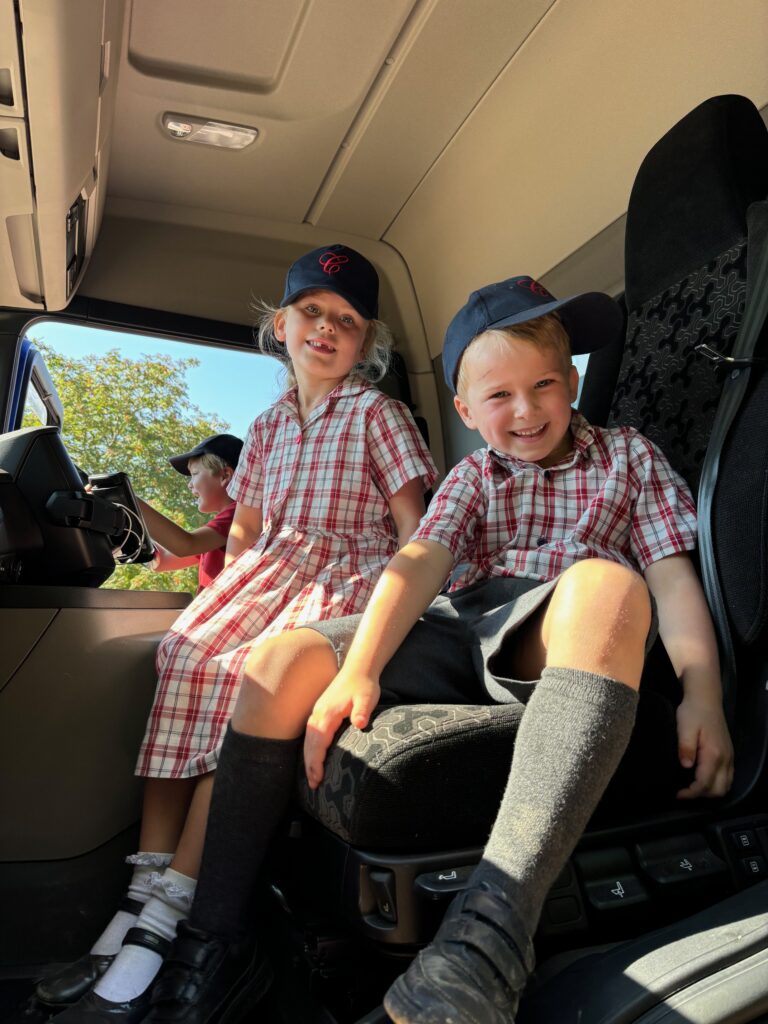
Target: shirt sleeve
[[247, 485], [664, 517], [397, 451], [456, 511], [222, 521]]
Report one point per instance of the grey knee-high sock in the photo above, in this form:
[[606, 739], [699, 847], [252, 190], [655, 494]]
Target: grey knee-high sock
[[571, 738], [254, 781]]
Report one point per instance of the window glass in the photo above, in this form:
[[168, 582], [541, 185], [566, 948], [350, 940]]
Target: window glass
[[35, 413], [580, 362], [131, 401]]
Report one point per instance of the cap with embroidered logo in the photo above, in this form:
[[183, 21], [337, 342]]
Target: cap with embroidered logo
[[339, 269], [591, 319]]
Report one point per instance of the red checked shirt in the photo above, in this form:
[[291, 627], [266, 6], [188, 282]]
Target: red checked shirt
[[324, 487], [615, 496]]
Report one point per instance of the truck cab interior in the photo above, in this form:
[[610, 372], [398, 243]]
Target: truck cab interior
[[161, 164]]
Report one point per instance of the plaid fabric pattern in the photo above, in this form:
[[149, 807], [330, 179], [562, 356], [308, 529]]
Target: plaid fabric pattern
[[324, 487], [614, 497]]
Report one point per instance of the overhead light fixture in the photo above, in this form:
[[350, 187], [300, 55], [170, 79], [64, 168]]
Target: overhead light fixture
[[186, 128]]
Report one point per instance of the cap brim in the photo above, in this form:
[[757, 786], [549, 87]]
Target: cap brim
[[592, 319], [324, 287], [181, 462]]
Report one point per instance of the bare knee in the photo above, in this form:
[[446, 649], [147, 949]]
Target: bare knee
[[283, 678], [595, 584], [598, 619]]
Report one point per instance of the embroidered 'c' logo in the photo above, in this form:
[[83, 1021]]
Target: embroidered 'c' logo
[[533, 286], [332, 262]]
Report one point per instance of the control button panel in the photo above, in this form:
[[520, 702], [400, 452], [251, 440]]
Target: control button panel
[[679, 861], [438, 884], [616, 892]]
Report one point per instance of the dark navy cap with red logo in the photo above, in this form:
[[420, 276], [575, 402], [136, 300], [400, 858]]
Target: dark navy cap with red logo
[[591, 319], [339, 269]]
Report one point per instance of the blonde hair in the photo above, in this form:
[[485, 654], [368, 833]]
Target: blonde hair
[[213, 463], [376, 346], [545, 332]]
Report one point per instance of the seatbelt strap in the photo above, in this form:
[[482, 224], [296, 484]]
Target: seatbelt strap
[[740, 362]]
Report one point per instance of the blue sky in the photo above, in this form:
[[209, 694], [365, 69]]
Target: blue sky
[[233, 385]]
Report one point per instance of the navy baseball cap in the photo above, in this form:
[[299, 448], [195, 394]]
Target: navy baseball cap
[[226, 446], [591, 319], [339, 269]]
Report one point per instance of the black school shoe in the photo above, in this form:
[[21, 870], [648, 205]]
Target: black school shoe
[[72, 982], [95, 1009], [474, 970], [206, 979]]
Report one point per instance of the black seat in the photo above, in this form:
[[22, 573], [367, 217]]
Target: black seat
[[419, 788]]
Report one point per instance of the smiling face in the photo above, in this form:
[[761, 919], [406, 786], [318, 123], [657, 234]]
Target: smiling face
[[209, 486], [323, 335], [518, 395]]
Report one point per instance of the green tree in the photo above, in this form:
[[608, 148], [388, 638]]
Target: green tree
[[130, 415]]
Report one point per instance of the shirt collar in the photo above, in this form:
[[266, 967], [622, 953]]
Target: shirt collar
[[351, 385], [583, 439]]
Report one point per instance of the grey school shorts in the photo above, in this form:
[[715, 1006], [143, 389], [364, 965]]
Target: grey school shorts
[[456, 653]]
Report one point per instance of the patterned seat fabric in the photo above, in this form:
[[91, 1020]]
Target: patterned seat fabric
[[667, 389], [429, 778]]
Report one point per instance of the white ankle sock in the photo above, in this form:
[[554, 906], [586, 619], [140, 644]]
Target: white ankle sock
[[135, 968], [145, 865]]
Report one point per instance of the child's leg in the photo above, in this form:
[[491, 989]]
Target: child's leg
[[588, 646], [255, 777], [175, 814], [164, 811], [256, 772]]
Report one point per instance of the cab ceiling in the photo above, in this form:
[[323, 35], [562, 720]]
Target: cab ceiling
[[353, 100], [454, 142]]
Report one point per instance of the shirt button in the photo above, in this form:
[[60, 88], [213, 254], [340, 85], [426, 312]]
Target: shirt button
[[545, 474], [541, 541]]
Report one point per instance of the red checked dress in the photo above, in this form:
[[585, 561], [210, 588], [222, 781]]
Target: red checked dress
[[323, 487]]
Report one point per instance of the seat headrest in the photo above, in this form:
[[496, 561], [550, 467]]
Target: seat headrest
[[691, 194]]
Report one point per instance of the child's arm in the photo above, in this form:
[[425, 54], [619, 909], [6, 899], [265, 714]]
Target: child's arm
[[245, 530], [177, 540], [164, 560], [407, 508], [406, 587], [686, 629]]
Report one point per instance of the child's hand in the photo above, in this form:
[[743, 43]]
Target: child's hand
[[703, 740], [348, 696]]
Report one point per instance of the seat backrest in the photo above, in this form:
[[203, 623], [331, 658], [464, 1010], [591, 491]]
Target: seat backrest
[[686, 274], [696, 223]]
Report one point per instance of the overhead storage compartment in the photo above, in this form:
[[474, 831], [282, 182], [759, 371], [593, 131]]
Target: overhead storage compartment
[[57, 92]]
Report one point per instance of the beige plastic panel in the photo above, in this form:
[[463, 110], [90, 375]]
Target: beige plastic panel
[[547, 159], [333, 59], [228, 42], [440, 71], [19, 277], [299, 59], [62, 54], [11, 98], [71, 720]]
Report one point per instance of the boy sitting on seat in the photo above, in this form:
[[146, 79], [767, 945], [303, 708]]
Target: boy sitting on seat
[[562, 529]]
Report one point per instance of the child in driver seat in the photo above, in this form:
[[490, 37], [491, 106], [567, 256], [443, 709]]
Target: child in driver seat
[[210, 467], [564, 531], [330, 482]]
